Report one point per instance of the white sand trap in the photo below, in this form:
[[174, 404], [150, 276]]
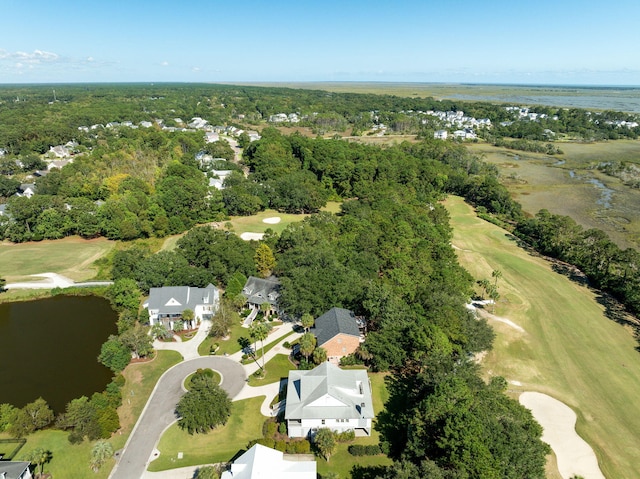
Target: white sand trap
[[515, 383], [575, 456], [251, 236], [274, 220]]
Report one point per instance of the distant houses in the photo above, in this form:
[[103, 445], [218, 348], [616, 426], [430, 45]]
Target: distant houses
[[167, 304]]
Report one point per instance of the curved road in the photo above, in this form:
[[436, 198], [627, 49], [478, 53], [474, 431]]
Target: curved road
[[159, 412]]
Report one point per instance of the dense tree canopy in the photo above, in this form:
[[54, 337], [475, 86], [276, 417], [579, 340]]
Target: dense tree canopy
[[203, 408]]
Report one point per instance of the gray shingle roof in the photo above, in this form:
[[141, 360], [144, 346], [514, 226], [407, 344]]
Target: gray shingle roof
[[258, 290], [334, 322], [13, 469], [175, 299], [328, 392]]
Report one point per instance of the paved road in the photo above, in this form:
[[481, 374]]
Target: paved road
[[159, 412]]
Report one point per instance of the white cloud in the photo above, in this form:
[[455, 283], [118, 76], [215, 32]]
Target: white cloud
[[165, 64], [195, 69]]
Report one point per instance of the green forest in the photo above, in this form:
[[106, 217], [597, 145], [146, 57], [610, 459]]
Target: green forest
[[386, 255]]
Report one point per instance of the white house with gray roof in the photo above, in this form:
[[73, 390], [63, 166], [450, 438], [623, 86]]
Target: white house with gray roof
[[330, 397], [15, 470], [261, 462], [167, 304]]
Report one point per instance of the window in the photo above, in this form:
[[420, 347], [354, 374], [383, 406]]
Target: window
[[323, 421]]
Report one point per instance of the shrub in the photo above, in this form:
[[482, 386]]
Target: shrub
[[349, 360], [362, 450], [281, 446], [346, 436], [269, 428], [282, 428], [267, 442], [287, 345], [302, 447]]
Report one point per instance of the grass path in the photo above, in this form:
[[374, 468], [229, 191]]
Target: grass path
[[568, 349]]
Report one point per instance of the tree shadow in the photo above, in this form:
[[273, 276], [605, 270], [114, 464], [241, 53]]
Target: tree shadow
[[570, 271], [367, 472]]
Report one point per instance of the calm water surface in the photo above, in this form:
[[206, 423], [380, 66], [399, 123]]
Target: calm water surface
[[49, 348]]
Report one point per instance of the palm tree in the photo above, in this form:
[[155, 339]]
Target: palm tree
[[187, 317], [40, 457], [307, 345], [307, 321], [496, 274], [319, 355], [100, 452], [259, 332]]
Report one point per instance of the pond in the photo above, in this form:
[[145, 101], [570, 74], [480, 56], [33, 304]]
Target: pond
[[49, 348]]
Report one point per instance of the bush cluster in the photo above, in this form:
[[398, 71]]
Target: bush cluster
[[362, 450]]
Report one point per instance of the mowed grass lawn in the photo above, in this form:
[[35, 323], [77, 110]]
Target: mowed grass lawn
[[570, 350], [220, 445], [71, 257], [244, 425], [255, 223]]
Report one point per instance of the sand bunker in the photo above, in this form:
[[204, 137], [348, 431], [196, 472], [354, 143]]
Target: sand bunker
[[272, 221], [251, 236], [575, 456]]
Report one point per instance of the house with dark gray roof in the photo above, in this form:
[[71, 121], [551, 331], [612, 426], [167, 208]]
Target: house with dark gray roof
[[15, 470], [259, 291], [337, 332], [330, 397], [167, 304]]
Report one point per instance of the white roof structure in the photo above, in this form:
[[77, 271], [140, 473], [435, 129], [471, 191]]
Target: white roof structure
[[329, 392], [262, 462]]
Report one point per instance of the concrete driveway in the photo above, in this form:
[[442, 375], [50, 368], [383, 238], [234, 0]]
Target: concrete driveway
[[159, 412]]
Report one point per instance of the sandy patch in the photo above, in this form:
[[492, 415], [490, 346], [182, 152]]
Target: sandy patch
[[574, 455], [274, 220], [252, 236], [515, 383], [486, 314]]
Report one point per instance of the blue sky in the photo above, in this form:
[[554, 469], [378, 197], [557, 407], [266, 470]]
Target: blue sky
[[481, 41]]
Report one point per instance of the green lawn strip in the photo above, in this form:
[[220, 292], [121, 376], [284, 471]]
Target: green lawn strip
[[220, 445], [141, 378], [267, 347], [278, 367], [569, 350], [255, 223], [171, 242], [342, 462], [228, 346], [67, 460], [71, 257]]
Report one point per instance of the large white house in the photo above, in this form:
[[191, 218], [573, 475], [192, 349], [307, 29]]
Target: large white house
[[266, 463], [330, 397], [167, 304]]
